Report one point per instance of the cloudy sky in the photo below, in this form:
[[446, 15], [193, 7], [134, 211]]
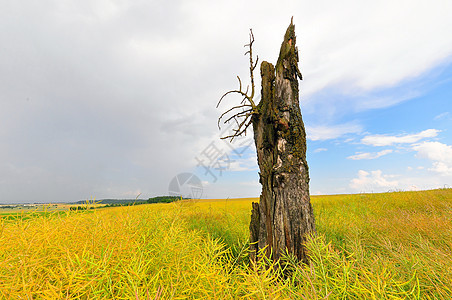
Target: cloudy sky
[[115, 98]]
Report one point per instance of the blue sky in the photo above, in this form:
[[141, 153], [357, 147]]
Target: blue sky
[[401, 146], [114, 99]]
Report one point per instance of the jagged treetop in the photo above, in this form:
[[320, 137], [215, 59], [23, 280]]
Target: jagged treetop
[[289, 51]]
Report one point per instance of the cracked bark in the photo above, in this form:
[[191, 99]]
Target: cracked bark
[[284, 216]]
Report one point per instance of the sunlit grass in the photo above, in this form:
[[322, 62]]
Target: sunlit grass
[[369, 246]]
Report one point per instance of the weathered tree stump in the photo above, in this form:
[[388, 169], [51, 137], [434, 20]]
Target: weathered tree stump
[[284, 216]]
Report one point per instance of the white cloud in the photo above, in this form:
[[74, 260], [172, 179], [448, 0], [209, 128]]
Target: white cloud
[[205, 183], [441, 168], [387, 140], [368, 155], [324, 132], [382, 51], [442, 116], [374, 181], [105, 101], [439, 153], [396, 96], [252, 183], [239, 164], [320, 150]]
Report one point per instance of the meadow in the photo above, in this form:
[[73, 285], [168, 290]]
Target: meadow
[[368, 246]]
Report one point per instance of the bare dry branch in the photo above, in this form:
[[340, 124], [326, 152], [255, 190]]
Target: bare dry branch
[[231, 109], [230, 92], [255, 64], [243, 117], [244, 113], [239, 131]]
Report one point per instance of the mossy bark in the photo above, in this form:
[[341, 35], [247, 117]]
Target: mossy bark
[[284, 216]]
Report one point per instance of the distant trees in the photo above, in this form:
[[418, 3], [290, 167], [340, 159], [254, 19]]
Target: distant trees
[[76, 208], [131, 202], [158, 199], [8, 206], [163, 199]]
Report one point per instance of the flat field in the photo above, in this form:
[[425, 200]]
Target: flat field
[[369, 246]]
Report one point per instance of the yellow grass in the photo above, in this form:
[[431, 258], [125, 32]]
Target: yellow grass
[[369, 246]]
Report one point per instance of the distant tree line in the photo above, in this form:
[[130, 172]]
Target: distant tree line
[[8, 206], [163, 199], [76, 208], [159, 199]]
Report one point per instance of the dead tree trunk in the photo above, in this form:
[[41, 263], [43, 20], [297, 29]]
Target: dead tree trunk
[[284, 216]]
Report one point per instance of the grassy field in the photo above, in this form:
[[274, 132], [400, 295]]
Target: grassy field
[[369, 246]]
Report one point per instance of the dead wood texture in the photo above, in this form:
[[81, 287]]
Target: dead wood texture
[[283, 217]]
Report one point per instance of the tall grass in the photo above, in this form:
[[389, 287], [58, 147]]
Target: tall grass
[[408, 233], [369, 246]]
